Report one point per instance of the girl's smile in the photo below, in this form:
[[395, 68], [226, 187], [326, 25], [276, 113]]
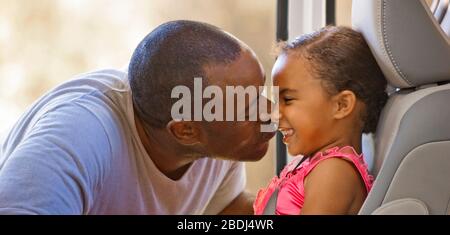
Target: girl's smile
[[287, 134]]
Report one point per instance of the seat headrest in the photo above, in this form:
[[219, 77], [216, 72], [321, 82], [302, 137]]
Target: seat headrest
[[409, 44]]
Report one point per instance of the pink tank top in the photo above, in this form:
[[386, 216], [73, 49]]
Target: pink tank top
[[290, 184]]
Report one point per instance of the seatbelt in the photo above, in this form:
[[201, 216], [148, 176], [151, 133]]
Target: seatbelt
[[272, 203]]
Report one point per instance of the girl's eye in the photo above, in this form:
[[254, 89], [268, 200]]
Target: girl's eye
[[287, 100]]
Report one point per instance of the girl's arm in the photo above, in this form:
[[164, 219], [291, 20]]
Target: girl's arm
[[334, 187]]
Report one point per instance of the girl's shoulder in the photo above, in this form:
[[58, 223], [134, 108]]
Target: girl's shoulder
[[347, 153]]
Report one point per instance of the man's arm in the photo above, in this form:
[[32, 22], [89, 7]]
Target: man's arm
[[55, 168], [241, 205], [231, 193]]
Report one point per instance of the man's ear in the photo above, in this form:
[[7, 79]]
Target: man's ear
[[345, 103], [186, 133]]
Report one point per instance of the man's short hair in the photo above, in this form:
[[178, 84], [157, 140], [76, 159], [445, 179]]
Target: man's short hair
[[174, 54]]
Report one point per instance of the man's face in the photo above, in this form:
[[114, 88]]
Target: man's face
[[238, 140]]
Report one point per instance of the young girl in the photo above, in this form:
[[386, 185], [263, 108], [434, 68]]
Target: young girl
[[331, 91]]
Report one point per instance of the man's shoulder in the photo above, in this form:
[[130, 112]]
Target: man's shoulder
[[99, 92], [80, 102], [101, 80]]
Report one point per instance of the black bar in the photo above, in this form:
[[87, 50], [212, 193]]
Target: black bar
[[282, 35], [237, 224], [281, 153], [330, 14], [282, 20]]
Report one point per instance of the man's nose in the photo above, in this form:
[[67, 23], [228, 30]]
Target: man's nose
[[271, 113], [265, 110], [275, 114]]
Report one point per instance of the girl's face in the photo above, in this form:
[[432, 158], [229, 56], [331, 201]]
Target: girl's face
[[306, 109]]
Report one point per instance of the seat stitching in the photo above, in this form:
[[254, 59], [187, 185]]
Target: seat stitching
[[388, 48]]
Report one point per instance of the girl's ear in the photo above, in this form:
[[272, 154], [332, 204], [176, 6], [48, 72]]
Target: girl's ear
[[345, 103]]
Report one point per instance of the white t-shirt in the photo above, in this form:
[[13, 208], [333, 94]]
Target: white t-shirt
[[76, 151]]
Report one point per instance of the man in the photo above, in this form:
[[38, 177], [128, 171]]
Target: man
[[106, 143]]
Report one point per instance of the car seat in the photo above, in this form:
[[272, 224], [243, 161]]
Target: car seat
[[412, 142]]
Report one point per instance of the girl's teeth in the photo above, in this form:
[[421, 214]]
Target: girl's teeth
[[288, 132]]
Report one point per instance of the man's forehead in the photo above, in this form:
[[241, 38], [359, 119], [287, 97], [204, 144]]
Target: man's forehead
[[245, 71]]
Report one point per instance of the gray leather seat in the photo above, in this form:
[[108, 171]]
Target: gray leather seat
[[412, 143]]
